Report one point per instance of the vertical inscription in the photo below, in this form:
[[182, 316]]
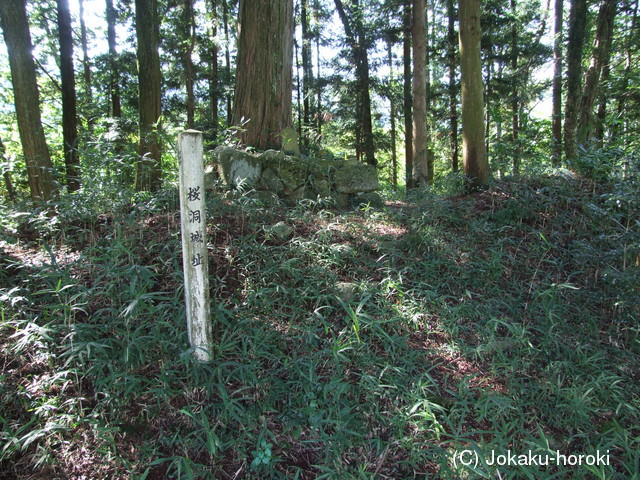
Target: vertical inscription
[[194, 245]]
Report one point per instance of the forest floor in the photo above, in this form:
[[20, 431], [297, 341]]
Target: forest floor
[[415, 341]]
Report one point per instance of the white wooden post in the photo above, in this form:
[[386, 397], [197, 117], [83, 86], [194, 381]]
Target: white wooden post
[[194, 244]]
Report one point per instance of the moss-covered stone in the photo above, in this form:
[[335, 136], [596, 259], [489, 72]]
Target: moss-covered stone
[[269, 156], [301, 193], [355, 178], [237, 167], [271, 181], [322, 187], [341, 200], [290, 142], [281, 232], [293, 174], [296, 178]]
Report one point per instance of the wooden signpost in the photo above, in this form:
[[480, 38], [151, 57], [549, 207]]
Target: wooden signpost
[[194, 244]]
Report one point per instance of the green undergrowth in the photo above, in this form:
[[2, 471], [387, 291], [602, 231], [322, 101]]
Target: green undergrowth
[[398, 343]]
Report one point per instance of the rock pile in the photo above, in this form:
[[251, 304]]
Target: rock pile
[[274, 175]]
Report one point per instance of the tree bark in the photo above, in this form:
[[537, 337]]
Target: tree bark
[[499, 79], [69, 103], [515, 101], [213, 70], [307, 70], [420, 140], [114, 74], [357, 40], [299, 108], [476, 167], [489, 96], [17, 37], [598, 132], [576, 34], [623, 95], [227, 58], [149, 169], [601, 46], [453, 98], [318, 75], [430, 40], [407, 100], [392, 115], [264, 74], [556, 115]]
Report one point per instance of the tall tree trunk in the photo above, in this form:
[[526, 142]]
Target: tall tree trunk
[[604, 95], [492, 58], [227, 57], [357, 40], [318, 90], [622, 97], [318, 74], [189, 26], [213, 70], [453, 98], [476, 167], [114, 73], [499, 80], [15, 26], [601, 46], [556, 115], [307, 69], [576, 37], [362, 73], [428, 98], [408, 101], [601, 115], [392, 115], [265, 58], [299, 109], [149, 170], [488, 95], [86, 64], [69, 109], [515, 102], [420, 140]]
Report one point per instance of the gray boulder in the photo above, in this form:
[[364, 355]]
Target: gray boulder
[[296, 178], [237, 167], [355, 178]]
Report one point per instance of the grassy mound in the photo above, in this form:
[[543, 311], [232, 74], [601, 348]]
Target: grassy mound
[[399, 343]]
